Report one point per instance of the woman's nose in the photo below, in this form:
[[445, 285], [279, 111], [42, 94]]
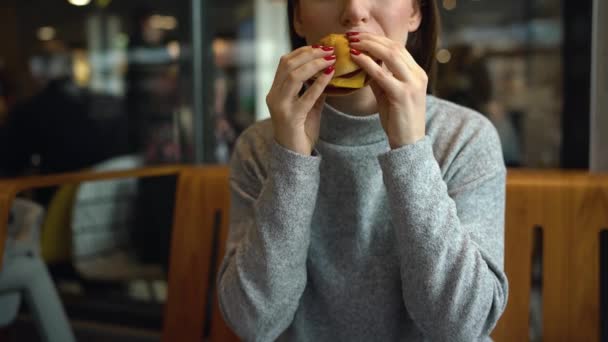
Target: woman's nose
[[354, 12]]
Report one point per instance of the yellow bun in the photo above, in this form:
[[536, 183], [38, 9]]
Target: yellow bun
[[355, 78], [344, 64]]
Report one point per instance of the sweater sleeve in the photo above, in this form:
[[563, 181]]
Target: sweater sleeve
[[263, 274], [451, 235]]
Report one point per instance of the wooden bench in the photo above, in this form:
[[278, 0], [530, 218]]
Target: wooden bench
[[571, 208]]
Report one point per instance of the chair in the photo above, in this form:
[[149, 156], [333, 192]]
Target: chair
[[571, 208], [199, 230]]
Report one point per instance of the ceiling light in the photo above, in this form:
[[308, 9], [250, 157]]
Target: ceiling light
[[79, 2]]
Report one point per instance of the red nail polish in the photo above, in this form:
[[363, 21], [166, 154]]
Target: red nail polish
[[329, 70], [350, 34], [330, 58], [355, 52], [327, 48], [354, 40], [316, 46]]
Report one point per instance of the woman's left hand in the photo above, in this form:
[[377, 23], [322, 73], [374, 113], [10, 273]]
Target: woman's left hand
[[399, 85]]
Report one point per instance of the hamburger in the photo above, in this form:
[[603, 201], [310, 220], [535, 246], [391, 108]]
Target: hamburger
[[348, 76]]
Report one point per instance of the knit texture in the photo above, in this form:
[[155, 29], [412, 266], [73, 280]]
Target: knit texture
[[363, 243]]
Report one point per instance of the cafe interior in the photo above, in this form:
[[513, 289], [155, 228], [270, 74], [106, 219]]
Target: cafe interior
[[114, 195]]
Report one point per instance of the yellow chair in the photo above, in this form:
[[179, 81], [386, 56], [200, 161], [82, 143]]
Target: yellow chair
[[56, 235]]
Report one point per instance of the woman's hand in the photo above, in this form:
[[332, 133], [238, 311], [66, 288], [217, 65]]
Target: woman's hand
[[399, 85], [296, 119]]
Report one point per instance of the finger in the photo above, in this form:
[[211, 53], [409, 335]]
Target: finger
[[405, 54], [296, 78], [294, 55], [409, 59], [312, 94], [297, 58], [383, 78], [390, 55]]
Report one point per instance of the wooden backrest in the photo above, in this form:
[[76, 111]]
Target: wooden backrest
[[197, 247], [571, 208]]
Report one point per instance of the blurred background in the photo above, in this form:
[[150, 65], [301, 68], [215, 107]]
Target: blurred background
[[102, 84]]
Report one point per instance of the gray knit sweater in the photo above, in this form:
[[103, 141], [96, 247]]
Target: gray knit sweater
[[362, 243]]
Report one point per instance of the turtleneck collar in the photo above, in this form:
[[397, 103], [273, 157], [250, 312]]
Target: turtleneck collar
[[340, 128]]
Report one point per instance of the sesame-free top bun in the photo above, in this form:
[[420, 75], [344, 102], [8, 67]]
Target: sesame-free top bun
[[344, 64], [348, 76]]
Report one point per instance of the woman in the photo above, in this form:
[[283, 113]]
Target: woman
[[376, 216]]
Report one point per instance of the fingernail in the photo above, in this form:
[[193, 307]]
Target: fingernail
[[329, 70], [316, 46], [349, 34], [327, 48], [354, 40], [355, 52], [330, 58]]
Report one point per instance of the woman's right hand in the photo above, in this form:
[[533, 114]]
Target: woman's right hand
[[296, 119]]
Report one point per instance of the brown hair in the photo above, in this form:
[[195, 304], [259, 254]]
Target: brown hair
[[422, 43]]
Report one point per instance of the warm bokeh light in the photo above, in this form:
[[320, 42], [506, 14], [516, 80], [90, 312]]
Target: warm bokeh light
[[162, 22], [81, 68], [443, 56], [173, 49], [46, 33], [449, 4], [102, 3], [79, 2]]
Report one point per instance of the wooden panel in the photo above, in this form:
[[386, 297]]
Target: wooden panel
[[588, 214], [201, 193], [513, 326], [219, 330], [554, 212]]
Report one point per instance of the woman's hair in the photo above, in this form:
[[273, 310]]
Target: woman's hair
[[422, 43]]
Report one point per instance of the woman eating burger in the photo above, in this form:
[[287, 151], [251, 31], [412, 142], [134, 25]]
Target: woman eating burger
[[365, 209]]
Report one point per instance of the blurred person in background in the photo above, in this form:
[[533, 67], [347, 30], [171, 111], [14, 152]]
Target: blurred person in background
[[152, 95], [53, 131], [465, 80], [152, 100], [224, 48]]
